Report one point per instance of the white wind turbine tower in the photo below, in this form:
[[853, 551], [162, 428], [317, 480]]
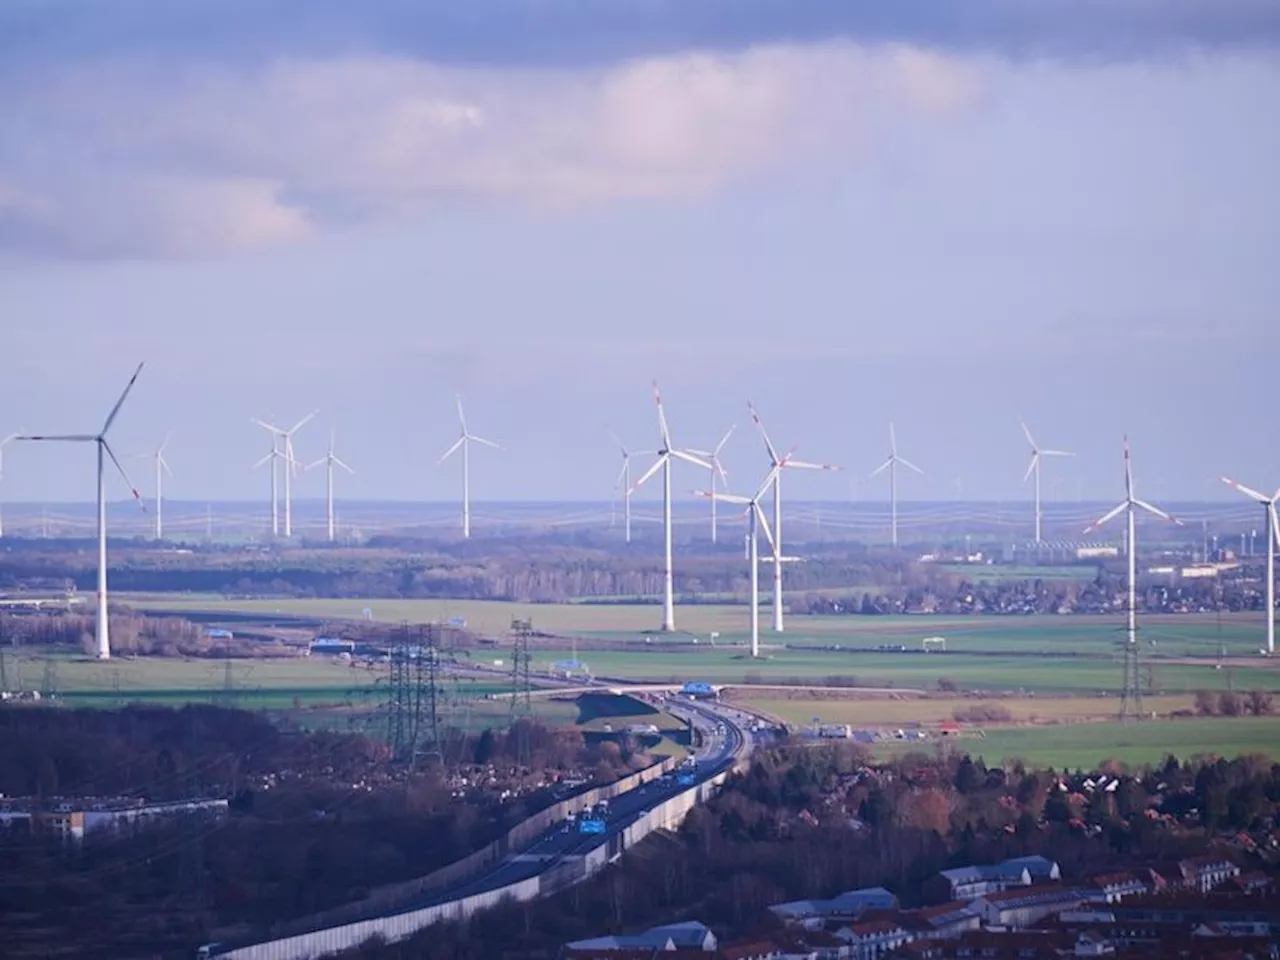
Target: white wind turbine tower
[[329, 461], [103, 631], [624, 480], [778, 464], [271, 459], [463, 443], [1273, 538], [1130, 506], [712, 457], [1037, 459], [162, 467], [290, 469], [3, 443], [666, 452], [755, 523], [892, 466]]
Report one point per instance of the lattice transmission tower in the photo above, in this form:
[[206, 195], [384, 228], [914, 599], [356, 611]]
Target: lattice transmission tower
[[413, 694]]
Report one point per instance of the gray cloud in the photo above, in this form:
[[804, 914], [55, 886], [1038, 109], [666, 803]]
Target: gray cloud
[[129, 158], [560, 32]]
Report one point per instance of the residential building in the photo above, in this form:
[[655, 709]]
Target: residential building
[[1112, 887], [844, 907], [1020, 908], [968, 883], [872, 940], [673, 936]]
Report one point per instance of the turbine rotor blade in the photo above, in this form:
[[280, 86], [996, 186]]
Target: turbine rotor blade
[[482, 440], [893, 441], [132, 489], [462, 417], [803, 465], [688, 457], [725, 439], [452, 450], [1247, 491], [270, 428], [764, 434], [120, 403], [621, 445], [339, 463], [1056, 453], [1106, 517], [1157, 512], [64, 437], [723, 497], [1275, 520], [662, 418], [882, 468], [910, 466], [657, 464], [763, 523], [302, 423], [1026, 432], [1031, 467]]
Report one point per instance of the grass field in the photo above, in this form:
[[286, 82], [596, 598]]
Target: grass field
[[1085, 745], [882, 711], [1173, 635]]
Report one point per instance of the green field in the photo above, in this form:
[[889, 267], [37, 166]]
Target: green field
[[1085, 745], [1172, 635]]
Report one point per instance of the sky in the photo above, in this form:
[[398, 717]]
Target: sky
[[948, 216]]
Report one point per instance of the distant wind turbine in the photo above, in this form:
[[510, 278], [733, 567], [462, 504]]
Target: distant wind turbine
[[712, 457], [666, 453], [162, 467], [756, 522], [329, 461], [1273, 538], [463, 443], [777, 465], [3, 444], [99, 439], [1130, 506], [290, 468], [1034, 467], [892, 466], [624, 481]]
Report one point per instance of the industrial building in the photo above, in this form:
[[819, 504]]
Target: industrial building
[[72, 819]]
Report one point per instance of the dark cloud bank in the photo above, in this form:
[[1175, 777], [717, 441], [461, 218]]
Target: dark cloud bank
[[569, 32]]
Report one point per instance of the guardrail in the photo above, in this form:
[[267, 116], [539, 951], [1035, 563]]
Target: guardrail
[[349, 932], [319, 943], [391, 897]]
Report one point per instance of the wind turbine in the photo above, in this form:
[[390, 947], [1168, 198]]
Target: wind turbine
[[756, 522], [463, 443], [712, 457], [103, 636], [271, 458], [162, 466], [11, 437], [1130, 506], [1273, 537], [777, 465], [624, 480], [892, 466], [1037, 459], [329, 460], [290, 468], [666, 452]]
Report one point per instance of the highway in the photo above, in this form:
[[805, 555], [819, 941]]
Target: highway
[[562, 841]]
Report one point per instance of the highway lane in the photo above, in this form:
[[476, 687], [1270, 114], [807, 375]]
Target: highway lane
[[560, 845], [563, 841]]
